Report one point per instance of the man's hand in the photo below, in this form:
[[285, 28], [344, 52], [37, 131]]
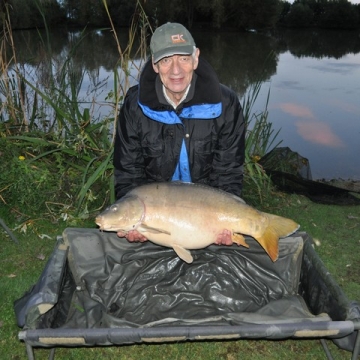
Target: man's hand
[[132, 236], [224, 238]]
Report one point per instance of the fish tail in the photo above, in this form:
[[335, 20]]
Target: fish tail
[[278, 227]]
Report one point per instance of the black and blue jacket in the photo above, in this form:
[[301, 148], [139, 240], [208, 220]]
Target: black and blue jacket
[[202, 141]]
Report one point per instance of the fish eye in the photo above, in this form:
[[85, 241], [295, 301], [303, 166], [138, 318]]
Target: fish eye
[[113, 207]]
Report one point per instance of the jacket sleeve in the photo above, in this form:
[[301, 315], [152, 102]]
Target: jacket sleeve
[[128, 157], [228, 163]]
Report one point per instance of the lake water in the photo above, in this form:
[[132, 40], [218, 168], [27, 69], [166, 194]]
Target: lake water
[[316, 103], [313, 78]]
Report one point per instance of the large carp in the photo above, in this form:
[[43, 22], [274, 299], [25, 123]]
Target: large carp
[[187, 216]]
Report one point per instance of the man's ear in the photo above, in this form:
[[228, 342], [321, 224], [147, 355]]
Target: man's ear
[[196, 58], [154, 66]]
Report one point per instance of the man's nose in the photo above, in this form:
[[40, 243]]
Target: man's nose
[[175, 66]]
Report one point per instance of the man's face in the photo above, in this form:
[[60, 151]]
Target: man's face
[[176, 72]]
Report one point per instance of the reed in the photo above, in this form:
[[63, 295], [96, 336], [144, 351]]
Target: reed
[[260, 138], [12, 87], [71, 138]]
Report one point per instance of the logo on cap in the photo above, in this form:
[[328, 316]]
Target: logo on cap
[[178, 38]]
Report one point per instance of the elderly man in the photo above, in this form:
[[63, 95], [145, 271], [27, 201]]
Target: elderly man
[[179, 123]]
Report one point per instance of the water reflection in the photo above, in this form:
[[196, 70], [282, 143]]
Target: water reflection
[[90, 49], [311, 129], [330, 100], [313, 78], [319, 133], [297, 110], [318, 43], [239, 59]]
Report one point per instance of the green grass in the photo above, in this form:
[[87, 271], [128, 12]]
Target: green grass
[[337, 228]]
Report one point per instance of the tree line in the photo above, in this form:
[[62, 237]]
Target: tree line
[[220, 14]]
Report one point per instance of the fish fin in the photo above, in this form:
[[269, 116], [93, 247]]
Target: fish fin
[[283, 226], [278, 227], [239, 239], [151, 230], [183, 254], [269, 240]]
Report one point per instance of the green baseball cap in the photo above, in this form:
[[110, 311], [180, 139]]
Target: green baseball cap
[[171, 39]]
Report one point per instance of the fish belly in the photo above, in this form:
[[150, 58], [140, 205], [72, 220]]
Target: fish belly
[[195, 214]]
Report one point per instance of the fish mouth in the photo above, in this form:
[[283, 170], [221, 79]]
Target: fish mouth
[[107, 227], [100, 224], [103, 226]]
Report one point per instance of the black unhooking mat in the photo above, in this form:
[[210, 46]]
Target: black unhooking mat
[[97, 289]]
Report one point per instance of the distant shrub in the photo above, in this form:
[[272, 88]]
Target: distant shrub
[[300, 15], [339, 15], [25, 14]]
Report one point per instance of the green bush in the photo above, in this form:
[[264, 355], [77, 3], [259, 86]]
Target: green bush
[[22, 183], [36, 174]]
